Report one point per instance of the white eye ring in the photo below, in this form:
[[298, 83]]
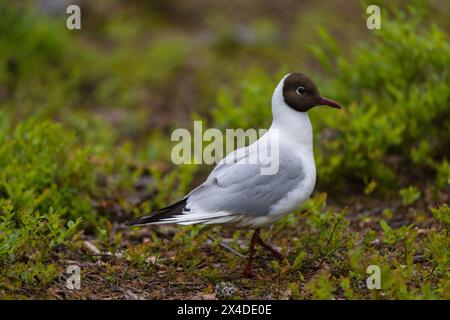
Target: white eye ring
[[300, 91]]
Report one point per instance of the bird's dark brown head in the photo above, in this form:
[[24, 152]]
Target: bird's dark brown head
[[301, 93]]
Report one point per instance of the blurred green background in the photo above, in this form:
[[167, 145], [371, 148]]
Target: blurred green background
[[86, 115]]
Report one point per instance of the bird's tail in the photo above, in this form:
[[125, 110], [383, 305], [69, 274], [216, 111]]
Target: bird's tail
[[160, 216]]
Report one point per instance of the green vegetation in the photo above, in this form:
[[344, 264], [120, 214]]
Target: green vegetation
[[85, 122], [45, 182]]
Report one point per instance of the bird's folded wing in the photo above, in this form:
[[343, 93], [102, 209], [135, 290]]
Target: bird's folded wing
[[241, 188]]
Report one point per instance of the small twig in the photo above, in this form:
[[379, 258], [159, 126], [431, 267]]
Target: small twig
[[224, 245], [130, 294], [108, 254], [432, 271], [94, 251], [328, 243]]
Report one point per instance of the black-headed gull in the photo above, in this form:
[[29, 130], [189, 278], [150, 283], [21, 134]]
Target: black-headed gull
[[237, 193]]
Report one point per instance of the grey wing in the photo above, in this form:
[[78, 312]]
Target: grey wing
[[240, 188]]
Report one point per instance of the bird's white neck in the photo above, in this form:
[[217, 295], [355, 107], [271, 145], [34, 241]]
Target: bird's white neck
[[291, 124]]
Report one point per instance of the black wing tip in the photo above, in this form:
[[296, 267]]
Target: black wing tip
[[141, 221], [158, 215], [132, 223]]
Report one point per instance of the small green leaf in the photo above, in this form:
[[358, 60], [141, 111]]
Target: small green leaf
[[409, 195], [384, 225], [298, 262]]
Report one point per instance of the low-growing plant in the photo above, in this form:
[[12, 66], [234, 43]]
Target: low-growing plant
[[44, 185], [409, 195], [392, 236]]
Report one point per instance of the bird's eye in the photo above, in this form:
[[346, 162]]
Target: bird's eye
[[300, 91]]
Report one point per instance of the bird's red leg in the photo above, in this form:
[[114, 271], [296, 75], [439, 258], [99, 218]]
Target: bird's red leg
[[269, 248], [248, 268]]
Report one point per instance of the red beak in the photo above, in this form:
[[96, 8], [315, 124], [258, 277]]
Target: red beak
[[328, 102]]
